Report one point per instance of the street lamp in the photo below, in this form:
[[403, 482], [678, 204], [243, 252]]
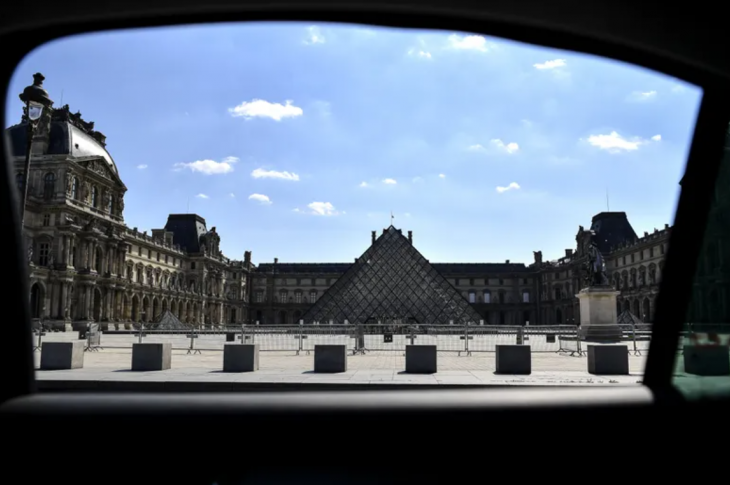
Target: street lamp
[[36, 100]]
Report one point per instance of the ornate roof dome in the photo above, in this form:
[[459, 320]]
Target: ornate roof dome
[[69, 135]]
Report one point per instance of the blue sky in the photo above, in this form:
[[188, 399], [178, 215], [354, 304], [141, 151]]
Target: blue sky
[[297, 140]]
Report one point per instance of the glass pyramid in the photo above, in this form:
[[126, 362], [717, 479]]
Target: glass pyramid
[[392, 283]]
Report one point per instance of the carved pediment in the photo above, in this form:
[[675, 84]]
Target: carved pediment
[[100, 167]]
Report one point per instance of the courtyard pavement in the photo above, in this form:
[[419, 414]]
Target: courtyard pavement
[[112, 365]]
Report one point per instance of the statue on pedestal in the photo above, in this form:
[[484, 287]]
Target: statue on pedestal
[[595, 264]]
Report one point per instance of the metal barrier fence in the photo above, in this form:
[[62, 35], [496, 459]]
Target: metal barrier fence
[[366, 338]]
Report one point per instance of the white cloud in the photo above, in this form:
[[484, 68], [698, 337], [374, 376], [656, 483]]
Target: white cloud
[[389, 181], [417, 180], [422, 54], [320, 209], [476, 148], [656, 138], [615, 143], [642, 96], [141, 167], [363, 184], [512, 186], [209, 167], [202, 196], [469, 42], [314, 36], [263, 199], [554, 64], [527, 123], [232, 195], [260, 173], [442, 176], [259, 108], [505, 147]]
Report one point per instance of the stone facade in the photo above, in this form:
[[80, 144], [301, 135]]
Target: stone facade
[[87, 266]]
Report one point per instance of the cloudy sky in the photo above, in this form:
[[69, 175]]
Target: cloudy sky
[[297, 140]]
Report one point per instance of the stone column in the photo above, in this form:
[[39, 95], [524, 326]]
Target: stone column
[[89, 300]]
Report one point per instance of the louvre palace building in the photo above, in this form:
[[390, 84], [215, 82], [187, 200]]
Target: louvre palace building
[[87, 265]]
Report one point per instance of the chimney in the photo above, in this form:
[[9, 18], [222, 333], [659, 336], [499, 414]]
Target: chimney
[[372, 237], [276, 260], [538, 257], [646, 233], [506, 261], [666, 226], [247, 257], [410, 237], [568, 253]]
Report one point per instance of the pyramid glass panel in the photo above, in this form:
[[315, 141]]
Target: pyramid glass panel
[[392, 282]]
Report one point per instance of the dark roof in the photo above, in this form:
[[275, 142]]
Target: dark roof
[[315, 268], [612, 229], [186, 231], [480, 268], [65, 139], [443, 268], [392, 282]]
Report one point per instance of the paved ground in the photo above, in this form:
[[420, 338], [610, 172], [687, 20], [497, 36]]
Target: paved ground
[[549, 368]]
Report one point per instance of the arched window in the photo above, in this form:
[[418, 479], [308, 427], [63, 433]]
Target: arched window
[[94, 197], [49, 185]]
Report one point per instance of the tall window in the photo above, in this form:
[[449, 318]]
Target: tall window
[[487, 297], [298, 297], [20, 181], [282, 297], [110, 204], [94, 197], [525, 297], [75, 188], [312, 296], [472, 297], [49, 185], [44, 252]]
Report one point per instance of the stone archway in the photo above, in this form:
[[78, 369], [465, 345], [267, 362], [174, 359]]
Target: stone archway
[[155, 310], [145, 315], [134, 313], [96, 305], [36, 300]]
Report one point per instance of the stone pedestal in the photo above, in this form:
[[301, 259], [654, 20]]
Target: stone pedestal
[[330, 358], [706, 360], [149, 357], [513, 359], [610, 360], [421, 359], [62, 355], [598, 318], [240, 358]]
